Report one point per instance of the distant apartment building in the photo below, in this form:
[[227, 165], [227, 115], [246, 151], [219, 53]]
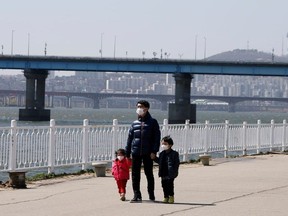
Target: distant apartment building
[[129, 83]]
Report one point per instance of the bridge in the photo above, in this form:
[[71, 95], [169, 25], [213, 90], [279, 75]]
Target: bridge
[[142, 65], [36, 71], [164, 99]]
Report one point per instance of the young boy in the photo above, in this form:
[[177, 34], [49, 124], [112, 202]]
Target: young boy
[[168, 161]]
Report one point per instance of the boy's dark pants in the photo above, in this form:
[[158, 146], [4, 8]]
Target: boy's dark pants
[[168, 187], [136, 174]]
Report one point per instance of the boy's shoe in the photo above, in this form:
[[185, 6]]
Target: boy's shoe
[[165, 199], [171, 199], [122, 197]]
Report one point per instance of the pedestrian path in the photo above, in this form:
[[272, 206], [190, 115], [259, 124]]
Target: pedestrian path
[[255, 185]]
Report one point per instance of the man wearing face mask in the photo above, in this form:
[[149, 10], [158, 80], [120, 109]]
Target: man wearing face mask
[[143, 144]]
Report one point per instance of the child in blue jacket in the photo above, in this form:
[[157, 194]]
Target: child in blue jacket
[[168, 161]]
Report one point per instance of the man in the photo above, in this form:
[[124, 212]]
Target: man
[[143, 144]]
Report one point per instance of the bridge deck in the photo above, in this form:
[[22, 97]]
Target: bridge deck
[[228, 99], [60, 63]]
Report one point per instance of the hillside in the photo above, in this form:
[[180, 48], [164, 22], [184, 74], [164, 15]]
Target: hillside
[[246, 55]]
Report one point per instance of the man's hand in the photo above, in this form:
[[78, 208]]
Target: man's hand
[[153, 156]]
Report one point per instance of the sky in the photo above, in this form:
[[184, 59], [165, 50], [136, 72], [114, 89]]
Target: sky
[[186, 29]]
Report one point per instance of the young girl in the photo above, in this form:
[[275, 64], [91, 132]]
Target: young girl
[[168, 161], [120, 171]]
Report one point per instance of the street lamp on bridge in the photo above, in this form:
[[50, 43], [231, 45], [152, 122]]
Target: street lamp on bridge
[[12, 42]]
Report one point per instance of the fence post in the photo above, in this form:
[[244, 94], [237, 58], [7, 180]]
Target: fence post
[[205, 158], [244, 138], [51, 147], [115, 135], [258, 135], [165, 127], [272, 135], [13, 146], [207, 126], [226, 138], [85, 144], [185, 156], [284, 134]]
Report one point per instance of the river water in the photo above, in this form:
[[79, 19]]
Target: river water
[[64, 116]]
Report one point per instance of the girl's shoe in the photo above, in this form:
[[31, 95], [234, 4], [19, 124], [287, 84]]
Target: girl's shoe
[[165, 200], [122, 197], [171, 199]]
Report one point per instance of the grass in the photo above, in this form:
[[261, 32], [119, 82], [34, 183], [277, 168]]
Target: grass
[[43, 176]]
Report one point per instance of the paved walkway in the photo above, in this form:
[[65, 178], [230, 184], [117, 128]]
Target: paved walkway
[[242, 186]]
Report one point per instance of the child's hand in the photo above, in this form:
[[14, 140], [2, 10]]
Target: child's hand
[[153, 156]]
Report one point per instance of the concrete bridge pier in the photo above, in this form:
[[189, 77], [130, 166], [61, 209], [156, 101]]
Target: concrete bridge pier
[[231, 107], [182, 109], [50, 101], [35, 97], [164, 105], [96, 103], [69, 102]]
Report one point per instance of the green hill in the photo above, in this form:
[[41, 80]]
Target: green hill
[[247, 56]]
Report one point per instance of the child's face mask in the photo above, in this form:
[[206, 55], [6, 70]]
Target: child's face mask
[[165, 147], [120, 157]]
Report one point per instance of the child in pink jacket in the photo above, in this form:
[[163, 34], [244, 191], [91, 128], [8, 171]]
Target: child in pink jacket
[[120, 171]]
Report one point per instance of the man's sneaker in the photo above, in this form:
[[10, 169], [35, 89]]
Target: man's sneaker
[[165, 200], [136, 199], [171, 199]]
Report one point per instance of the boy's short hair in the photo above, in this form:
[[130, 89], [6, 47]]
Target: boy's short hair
[[168, 139], [144, 103]]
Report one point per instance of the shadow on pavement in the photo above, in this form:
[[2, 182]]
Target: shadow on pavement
[[175, 203]]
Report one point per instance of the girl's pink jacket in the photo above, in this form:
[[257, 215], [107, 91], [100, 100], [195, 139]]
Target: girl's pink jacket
[[120, 169]]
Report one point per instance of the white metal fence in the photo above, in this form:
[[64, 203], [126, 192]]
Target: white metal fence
[[31, 147]]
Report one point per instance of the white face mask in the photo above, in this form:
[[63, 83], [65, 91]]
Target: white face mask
[[120, 157], [140, 111], [165, 147]]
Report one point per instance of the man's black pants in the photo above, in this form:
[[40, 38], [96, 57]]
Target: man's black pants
[[136, 174]]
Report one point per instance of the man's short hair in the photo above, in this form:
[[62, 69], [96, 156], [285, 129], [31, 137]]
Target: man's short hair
[[144, 103]]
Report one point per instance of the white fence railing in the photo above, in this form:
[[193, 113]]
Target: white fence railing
[[33, 147]]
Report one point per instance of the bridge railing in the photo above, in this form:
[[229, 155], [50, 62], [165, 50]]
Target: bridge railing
[[33, 147]]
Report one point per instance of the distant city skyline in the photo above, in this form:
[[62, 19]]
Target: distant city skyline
[[188, 29], [143, 83]]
